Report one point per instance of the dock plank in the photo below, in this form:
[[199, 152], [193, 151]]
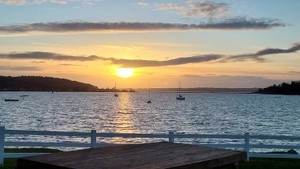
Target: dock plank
[[152, 156]]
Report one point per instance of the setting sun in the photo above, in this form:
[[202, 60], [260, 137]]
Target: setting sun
[[125, 72]]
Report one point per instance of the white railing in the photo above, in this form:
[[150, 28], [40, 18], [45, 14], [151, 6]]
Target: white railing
[[244, 141]]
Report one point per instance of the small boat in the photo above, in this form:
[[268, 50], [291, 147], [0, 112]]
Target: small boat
[[116, 94], [11, 100], [149, 101], [24, 95], [179, 97]]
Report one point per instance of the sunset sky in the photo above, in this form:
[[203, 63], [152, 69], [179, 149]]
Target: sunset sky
[[232, 43]]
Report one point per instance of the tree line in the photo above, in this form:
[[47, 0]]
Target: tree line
[[292, 88], [38, 83]]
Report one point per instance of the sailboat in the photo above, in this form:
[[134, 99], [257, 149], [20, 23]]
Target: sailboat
[[179, 97], [149, 101], [116, 94]]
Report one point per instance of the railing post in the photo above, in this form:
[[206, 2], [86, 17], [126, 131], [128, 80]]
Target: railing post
[[93, 138], [247, 145], [2, 135], [171, 136]]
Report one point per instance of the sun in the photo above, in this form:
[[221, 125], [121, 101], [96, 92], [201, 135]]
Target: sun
[[125, 72]]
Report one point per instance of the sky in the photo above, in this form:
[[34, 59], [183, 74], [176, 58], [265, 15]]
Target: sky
[[199, 43]]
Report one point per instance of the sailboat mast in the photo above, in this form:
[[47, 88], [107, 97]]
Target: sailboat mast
[[116, 95], [148, 89], [179, 88], [149, 101], [179, 97]]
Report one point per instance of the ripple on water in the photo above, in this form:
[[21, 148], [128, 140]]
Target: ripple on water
[[199, 113]]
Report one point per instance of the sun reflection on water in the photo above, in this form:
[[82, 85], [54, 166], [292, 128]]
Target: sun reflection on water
[[123, 121]]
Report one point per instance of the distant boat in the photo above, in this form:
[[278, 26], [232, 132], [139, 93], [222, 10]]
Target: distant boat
[[24, 95], [149, 101], [179, 97], [116, 94], [11, 100]]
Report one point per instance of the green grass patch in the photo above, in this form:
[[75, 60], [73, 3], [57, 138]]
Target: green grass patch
[[11, 163], [266, 163]]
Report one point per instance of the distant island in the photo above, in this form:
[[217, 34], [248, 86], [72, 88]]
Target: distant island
[[38, 83], [284, 88], [202, 90]]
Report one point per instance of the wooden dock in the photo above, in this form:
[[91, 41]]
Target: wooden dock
[[138, 156]]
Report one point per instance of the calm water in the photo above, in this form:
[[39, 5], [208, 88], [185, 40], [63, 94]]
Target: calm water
[[199, 113]]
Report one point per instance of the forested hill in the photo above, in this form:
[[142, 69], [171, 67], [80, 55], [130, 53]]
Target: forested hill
[[289, 89], [38, 83]]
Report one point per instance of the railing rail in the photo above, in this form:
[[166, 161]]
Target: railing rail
[[244, 142], [47, 133]]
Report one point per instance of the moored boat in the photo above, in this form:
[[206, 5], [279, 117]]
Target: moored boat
[[149, 100], [116, 94], [179, 97]]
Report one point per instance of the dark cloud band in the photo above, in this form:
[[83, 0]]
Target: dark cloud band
[[177, 61], [19, 68], [123, 62], [47, 56], [258, 56], [58, 27]]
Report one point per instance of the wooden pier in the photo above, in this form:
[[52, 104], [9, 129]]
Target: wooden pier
[[137, 156]]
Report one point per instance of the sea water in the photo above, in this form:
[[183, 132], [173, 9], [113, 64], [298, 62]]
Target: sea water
[[202, 113]]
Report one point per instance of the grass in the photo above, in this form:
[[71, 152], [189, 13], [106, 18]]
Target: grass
[[11, 163], [254, 163], [265, 163]]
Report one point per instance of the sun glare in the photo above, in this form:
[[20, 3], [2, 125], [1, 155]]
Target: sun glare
[[125, 72]]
